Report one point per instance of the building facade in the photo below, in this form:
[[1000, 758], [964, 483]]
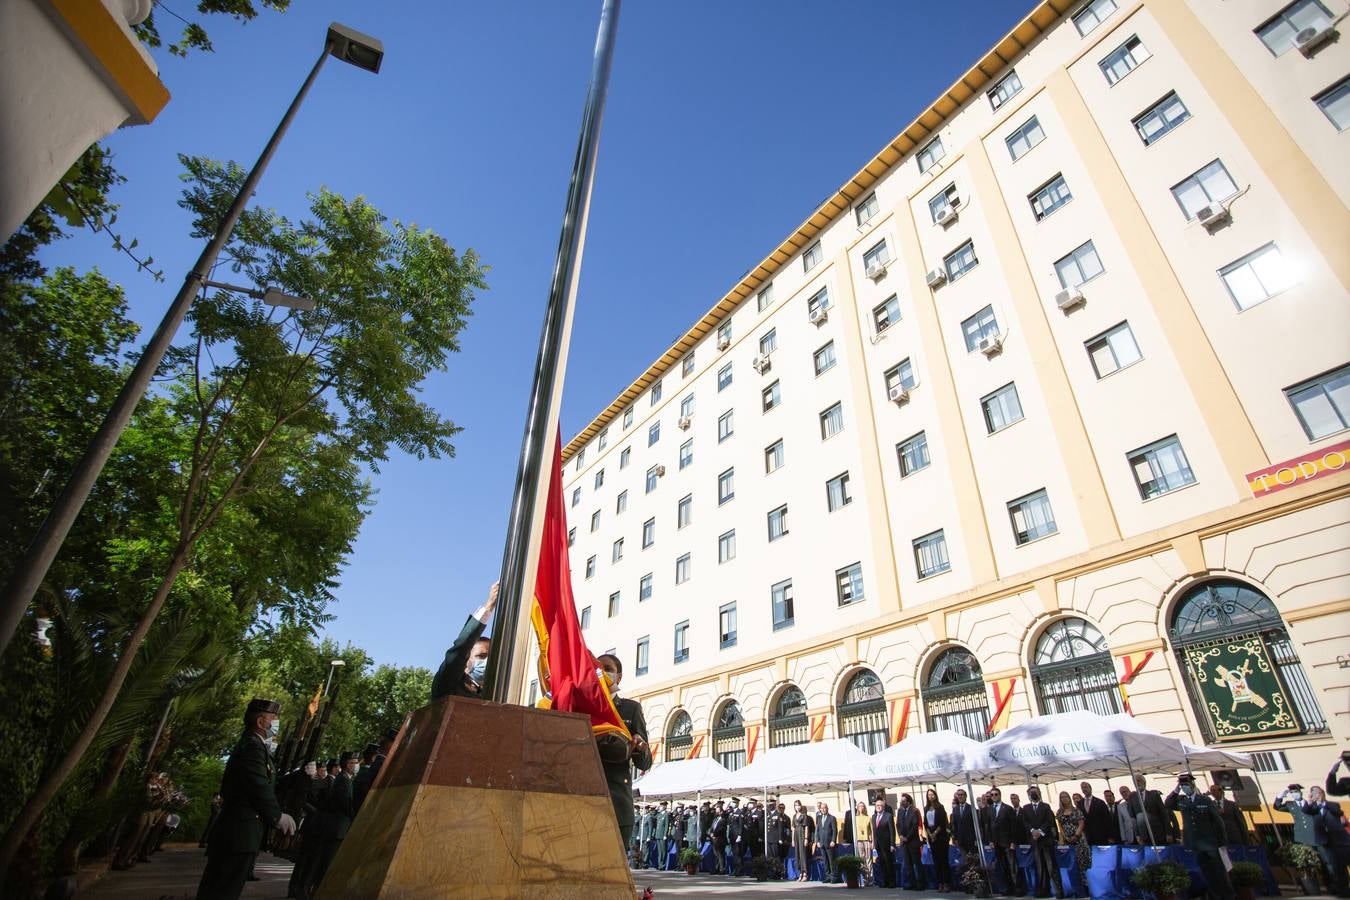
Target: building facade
[[1045, 409]]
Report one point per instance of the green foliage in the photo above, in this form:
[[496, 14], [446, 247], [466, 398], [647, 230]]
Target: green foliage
[[194, 35], [1165, 879], [1303, 857], [690, 857], [849, 863], [1246, 874]]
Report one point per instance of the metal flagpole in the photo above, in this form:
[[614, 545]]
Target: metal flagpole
[[1269, 810], [975, 818], [1143, 801], [521, 556]]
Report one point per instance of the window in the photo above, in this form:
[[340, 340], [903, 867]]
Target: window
[[1256, 277], [1091, 15], [887, 314], [687, 453], [651, 479], [865, 210], [900, 375], [773, 456], [648, 533], [1031, 517], [595, 521], [849, 584], [687, 406], [581, 458], [862, 713], [679, 736], [1124, 59], [930, 554], [1212, 184], [960, 261], [617, 553], [590, 566], [778, 523], [724, 331], [1264, 761], [931, 154], [818, 301], [812, 257], [599, 478], [954, 697], [653, 433], [687, 365], [769, 342], [645, 588], [789, 725], [684, 512], [641, 656], [978, 327], [947, 198], [726, 625], [576, 496], [836, 492], [1278, 33], [656, 394], [625, 456], [780, 598], [1335, 104], [729, 737], [571, 536], [1003, 89], [724, 377], [1072, 670], [726, 425], [1159, 119], [764, 298], [771, 396], [1322, 404], [913, 454], [628, 417], [879, 255], [682, 569], [1049, 197], [1024, 138], [726, 486], [1161, 467], [726, 547], [585, 617], [824, 358], [613, 604], [831, 421], [1079, 267], [682, 641], [534, 693], [604, 438], [1001, 408], [1113, 350], [1210, 621]]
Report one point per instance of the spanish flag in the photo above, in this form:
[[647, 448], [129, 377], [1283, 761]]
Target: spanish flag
[[567, 669]]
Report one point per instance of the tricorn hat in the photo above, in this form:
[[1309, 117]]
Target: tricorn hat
[[332, 761], [1185, 779], [372, 747], [1295, 787], [348, 755], [258, 706]]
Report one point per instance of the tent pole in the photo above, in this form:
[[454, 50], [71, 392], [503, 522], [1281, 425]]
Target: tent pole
[[1270, 812], [975, 818]]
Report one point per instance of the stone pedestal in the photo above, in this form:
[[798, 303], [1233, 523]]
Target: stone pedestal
[[485, 800]]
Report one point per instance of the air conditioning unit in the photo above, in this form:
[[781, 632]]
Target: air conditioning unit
[[945, 215], [898, 394], [935, 277], [819, 315], [659, 470], [685, 422], [991, 345], [876, 270], [1213, 216], [723, 342], [761, 363], [1067, 300], [1309, 39]]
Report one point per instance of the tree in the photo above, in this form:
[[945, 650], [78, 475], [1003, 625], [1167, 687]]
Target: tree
[[274, 403]]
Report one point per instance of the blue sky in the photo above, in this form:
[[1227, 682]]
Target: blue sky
[[727, 124]]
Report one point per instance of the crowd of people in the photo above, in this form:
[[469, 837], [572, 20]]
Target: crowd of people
[[159, 817]]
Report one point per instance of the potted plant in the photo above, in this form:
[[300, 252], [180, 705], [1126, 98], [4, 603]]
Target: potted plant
[[1164, 880], [851, 866], [765, 868], [973, 880], [1307, 862], [690, 859], [1246, 877]]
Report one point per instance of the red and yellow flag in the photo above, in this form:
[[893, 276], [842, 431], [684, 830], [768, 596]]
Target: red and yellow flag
[[314, 704], [567, 669]]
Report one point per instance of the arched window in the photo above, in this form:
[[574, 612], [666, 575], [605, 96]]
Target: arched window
[[862, 713], [953, 694], [788, 724], [679, 736], [1245, 677], [729, 737], [1072, 669]]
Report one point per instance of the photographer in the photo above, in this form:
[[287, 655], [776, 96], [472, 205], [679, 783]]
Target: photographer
[[617, 755], [1339, 787], [1202, 833]]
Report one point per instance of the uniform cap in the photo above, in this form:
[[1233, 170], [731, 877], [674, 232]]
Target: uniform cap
[[257, 706], [349, 755], [372, 747]]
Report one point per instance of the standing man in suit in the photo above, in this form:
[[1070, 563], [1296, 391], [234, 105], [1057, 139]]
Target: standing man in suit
[[1038, 823], [1203, 834], [883, 840], [1109, 798], [340, 805], [1234, 822], [1330, 838], [1153, 821], [735, 835], [1339, 787], [1096, 818], [1000, 829], [644, 825], [618, 757], [248, 806], [1019, 836], [1125, 817], [963, 825], [717, 833], [461, 672], [754, 829], [911, 848], [827, 836], [662, 833]]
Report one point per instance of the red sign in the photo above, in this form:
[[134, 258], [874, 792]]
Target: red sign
[[1296, 471]]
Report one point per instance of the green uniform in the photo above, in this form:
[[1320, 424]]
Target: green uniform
[[617, 770], [248, 807], [1203, 834]]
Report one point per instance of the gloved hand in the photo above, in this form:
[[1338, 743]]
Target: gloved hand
[[286, 825]]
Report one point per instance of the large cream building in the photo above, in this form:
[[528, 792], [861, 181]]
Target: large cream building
[[1044, 405]]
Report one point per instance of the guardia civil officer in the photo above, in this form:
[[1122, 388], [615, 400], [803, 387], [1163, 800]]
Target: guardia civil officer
[[248, 806], [1202, 833], [618, 756]]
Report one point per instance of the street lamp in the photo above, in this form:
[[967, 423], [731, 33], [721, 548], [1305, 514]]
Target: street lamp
[[331, 667], [271, 296], [346, 44]]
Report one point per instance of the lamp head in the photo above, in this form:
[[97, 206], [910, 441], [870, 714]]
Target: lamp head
[[274, 297], [350, 45]]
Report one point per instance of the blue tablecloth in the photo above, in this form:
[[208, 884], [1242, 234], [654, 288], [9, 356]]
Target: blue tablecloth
[[817, 867]]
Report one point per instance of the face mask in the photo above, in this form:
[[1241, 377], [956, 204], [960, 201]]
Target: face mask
[[478, 670], [1034, 795], [273, 728], [1296, 795], [310, 770], [1188, 789]]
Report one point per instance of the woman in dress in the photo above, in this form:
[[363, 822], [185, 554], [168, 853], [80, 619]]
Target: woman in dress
[[1071, 824], [862, 840], [935, 827], [803, 837]]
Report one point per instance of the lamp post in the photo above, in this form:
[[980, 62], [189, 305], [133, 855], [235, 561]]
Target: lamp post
[[348, 45], [331, 667]]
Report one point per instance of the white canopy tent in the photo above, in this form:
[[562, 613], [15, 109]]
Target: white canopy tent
[[679, 779], [800, 768], [1213, 758], [927, 757], [1076, 744]]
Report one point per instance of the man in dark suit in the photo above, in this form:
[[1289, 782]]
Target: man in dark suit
[[1096, 818], [1234, 823], [911, 848], [1330, 838], [1000, 829], [339, 809], [735, 835], [827, 836], [717, 833], [1154, 823], [1339, 787], [963, 825], [248, 806], [1109, 798], [883, 840], [618, 757], [461, 672], [1038, 823], [754, 830], [1202, 832]]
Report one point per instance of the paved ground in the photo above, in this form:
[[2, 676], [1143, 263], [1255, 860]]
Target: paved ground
[[173, 873]]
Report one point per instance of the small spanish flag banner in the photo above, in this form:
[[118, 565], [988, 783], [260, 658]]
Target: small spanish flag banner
[[818, 727], [1003, 692], [695, 747], [899, 723], [314, 704], [568, 672], [656, 749], [1132, 663], [751, 742]]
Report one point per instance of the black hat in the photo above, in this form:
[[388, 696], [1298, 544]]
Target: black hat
[[257, 707], [372, 747], [332, 761], [1185, 779], [1295, 787], [391, 734], [348, 755]]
